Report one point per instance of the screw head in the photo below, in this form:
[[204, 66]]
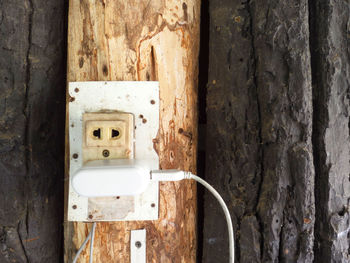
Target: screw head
[[138, 244], [90, 216], [75, 156], [105, 153], [153, 205], [153, 102], [74, 207]]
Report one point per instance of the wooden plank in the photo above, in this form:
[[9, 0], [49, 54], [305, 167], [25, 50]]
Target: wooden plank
[[144, 40]]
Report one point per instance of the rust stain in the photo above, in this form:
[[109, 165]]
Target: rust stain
[[185, 39], [31, 239], [307, 220], [174, 108]]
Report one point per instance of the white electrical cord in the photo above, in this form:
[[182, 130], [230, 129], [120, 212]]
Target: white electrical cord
[[176, 175], [90, 235], [92, 242]]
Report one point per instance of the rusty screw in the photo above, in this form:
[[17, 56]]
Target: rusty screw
[[105, 153], [74, 206], [90, 216], [75, 156], [153, 102], [153, 205]]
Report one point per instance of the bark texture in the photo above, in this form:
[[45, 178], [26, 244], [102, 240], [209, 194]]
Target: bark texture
[[32, 86], [330, 27], [144, 40], [274, 140]]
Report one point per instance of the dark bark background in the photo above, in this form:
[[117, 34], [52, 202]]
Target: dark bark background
[[32, 104], [274, 103], [278, 130]]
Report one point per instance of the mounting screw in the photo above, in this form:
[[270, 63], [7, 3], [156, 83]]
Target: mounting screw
[[75, 156], [153, 102], [138, 244], [105, 153], [74, 206], [153, 205], [90, 216]]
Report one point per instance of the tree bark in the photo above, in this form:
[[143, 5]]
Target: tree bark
[[32, 82], [144, 40], [259, 117], [273, 142], [330, 62]]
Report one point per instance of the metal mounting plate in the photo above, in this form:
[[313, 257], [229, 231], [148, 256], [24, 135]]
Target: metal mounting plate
[[142, 100], [138, 246]]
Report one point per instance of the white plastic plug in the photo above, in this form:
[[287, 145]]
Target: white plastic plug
[[117, 177]]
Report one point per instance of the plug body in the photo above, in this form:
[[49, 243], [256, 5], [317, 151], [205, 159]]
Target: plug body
[[118, 177]]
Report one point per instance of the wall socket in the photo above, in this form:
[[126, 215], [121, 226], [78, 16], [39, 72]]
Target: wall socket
[[108, 135], [105, 123]]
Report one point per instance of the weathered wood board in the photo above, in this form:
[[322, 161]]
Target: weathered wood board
[[144, 40]]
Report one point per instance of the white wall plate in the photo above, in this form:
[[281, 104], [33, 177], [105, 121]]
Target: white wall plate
[[136, 97]]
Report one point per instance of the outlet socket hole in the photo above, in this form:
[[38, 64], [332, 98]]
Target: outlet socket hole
[[97, 133], [115, 134]]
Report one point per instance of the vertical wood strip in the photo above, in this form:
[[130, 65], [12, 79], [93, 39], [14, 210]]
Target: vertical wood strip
[[144, 40]]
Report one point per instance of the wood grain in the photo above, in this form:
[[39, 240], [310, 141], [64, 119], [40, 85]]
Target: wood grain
[[144, 40]]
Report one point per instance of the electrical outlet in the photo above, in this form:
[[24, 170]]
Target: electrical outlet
[[108, 135], [105, 123]]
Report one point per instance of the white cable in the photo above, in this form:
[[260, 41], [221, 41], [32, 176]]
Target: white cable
[[226, 211], [176, 175], [92, 232], [92, 242]]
